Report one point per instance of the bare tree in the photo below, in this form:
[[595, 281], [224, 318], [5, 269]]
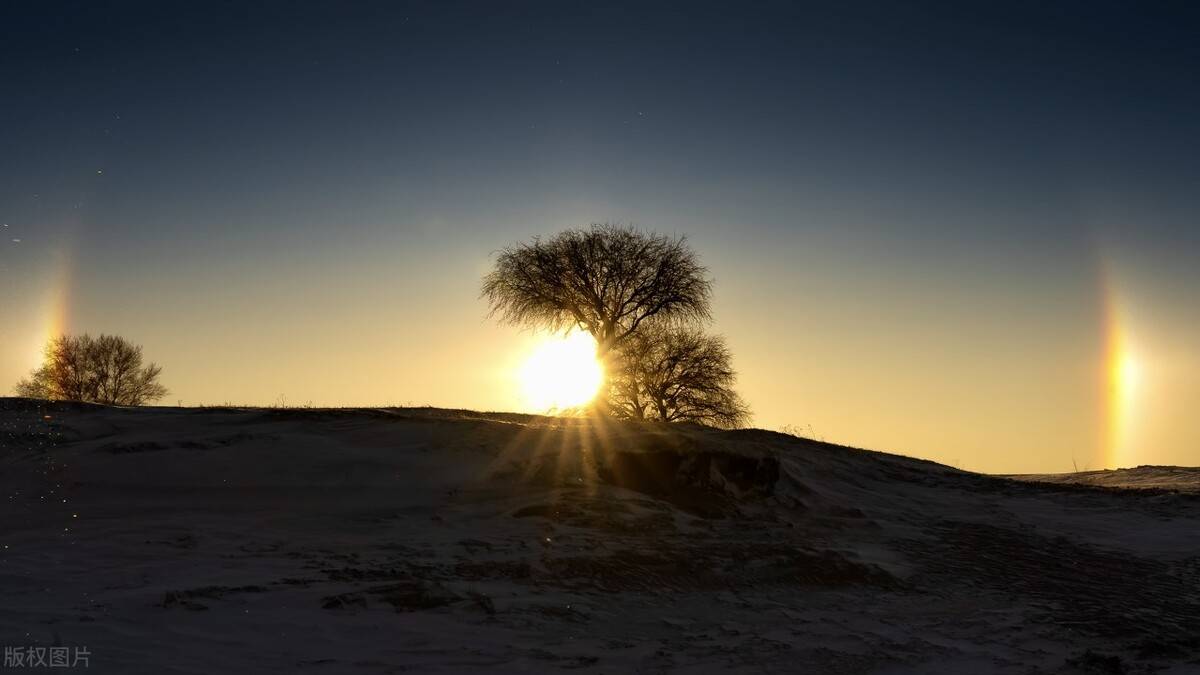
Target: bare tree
[[107, 369], [607, 280], [675, 374], [65, 374], [37, 385]]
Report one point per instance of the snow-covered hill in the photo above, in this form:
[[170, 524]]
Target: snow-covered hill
[[1176, 478], [172, 540]]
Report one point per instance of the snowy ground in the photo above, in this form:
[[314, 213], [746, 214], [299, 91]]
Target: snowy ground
[[1175, 478], [329, 541]]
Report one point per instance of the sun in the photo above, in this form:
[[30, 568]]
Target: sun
[[561, 373]]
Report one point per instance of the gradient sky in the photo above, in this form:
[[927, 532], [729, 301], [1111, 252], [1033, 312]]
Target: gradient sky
[[942, 229]]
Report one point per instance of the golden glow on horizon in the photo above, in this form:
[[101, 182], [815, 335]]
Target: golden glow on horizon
[[561, 373], [1104, 384]]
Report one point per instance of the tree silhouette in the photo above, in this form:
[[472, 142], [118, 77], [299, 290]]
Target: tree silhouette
[[675, 374], [107, 369], [607, 280]]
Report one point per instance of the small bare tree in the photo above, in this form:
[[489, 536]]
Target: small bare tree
[[107, 369], [607, 280], [675, 374]]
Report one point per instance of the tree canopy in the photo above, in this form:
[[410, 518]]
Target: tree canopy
[[675, 374], [106, 369], [607, 280]]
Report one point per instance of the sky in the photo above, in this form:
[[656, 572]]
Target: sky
[[962, 231]]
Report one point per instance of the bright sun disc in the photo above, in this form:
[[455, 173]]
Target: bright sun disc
[[561, 373]]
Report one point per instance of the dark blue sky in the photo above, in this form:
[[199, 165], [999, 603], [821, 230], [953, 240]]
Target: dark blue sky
[[213, 102], [846, 161]]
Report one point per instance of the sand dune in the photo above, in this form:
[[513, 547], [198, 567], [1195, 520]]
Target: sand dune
[[173, 540]]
